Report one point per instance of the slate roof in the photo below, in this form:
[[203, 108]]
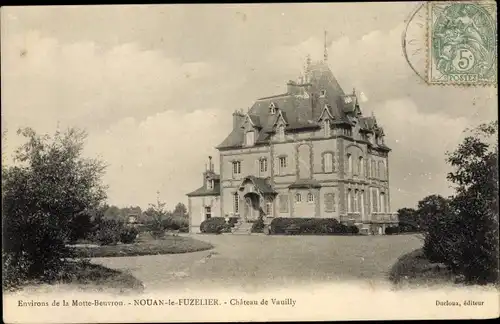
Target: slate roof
[[299, 111], [204, 191]]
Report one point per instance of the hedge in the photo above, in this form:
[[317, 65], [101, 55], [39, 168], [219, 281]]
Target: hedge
[[214, 225], [330, 226]]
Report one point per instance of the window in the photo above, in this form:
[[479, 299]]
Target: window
[[283, 201], [281, 132], [374, 171], [282, 164], [349, 200], [310, 197], [269, 209], [328, 162], [263, 165], [210, 184], [208, 212], [250, 138], [272, 108], [236, 203], [381, 170], [349, 163], [355, 198], [374, 200], [330, 202], [298, 197], [322, 93], [361, 167], [382, 202], [236, 167], [326, 126]]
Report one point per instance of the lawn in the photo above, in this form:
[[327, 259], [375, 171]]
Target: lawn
[[165, 245]]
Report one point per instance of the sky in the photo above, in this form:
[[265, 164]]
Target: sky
[[155, 85]]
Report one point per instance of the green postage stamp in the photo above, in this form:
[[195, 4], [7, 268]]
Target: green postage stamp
[[462, 42]]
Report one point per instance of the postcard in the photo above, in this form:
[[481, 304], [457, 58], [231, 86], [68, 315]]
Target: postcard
[[250, 162]]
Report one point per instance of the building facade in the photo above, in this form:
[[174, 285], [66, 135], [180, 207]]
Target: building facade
[[308, 152]]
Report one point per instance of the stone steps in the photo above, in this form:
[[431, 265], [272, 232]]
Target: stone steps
[[242, 228]]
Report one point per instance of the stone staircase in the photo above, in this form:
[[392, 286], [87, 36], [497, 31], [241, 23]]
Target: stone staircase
[[242, 228]]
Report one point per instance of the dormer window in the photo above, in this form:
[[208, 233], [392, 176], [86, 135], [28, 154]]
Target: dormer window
[[326, 127], [281, 132], [210, 183], [272, 108], [322, 93], [250, 138]]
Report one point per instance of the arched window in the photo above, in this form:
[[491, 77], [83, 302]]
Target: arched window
[[328, 162], [382, 202], [361, 166], [310, 197], [326, 127], [349, 163], [298, 197]]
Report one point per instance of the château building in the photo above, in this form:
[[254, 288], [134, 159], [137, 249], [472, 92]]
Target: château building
[[309, 152]]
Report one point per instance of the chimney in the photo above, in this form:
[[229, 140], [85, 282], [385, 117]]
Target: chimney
[[210, 164], [237, 119]]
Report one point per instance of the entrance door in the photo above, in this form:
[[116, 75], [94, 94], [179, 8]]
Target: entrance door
[[252, 204]]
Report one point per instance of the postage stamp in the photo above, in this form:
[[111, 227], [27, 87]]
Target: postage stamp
[[462, 43]]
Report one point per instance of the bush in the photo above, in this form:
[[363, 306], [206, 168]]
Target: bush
[[214, 225], [43, 192], [258, 226], [311, 226], [108, 232], [128, 235], [392, 230]]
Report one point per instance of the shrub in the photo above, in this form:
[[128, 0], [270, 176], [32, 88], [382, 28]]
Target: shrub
[[128, 234], [258, 226], [311, 226], [214, 225], [48, 186], [108, 232], [392, 230], [233, 220]]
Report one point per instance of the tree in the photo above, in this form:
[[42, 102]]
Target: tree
[[157, 214], [465, 235], [475, 175], [180, 210], [430, 208], [48, 190], [408, 221]]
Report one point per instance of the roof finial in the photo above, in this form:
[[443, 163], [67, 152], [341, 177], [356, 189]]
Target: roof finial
[[325, 54], [353, 91]]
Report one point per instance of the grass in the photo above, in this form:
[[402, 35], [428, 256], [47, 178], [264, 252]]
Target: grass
[[415, 269], [165, 245], [84, 275]]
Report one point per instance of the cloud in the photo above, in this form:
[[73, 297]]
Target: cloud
[[155, 118], [164, 152]]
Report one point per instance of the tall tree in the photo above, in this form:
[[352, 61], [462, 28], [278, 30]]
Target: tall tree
[[49, 188], [180, 210], [475, 175]]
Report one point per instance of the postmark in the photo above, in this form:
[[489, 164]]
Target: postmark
[[461, 43]]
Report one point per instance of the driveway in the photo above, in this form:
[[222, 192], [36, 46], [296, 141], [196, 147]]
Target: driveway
[[253, 261]]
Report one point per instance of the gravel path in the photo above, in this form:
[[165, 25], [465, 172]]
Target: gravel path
[[250, 262]]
